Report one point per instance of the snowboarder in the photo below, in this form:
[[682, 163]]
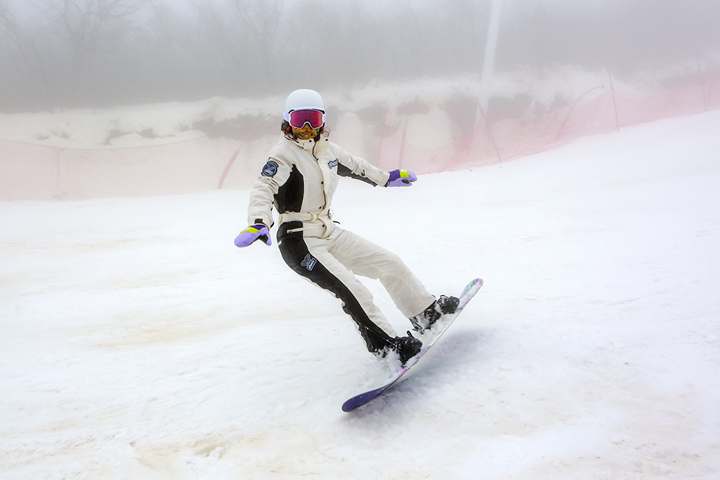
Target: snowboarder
[[299, 179]]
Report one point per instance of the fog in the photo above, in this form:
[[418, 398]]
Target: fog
[[99, 53]]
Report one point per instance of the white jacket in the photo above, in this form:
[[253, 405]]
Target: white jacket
[[299, 180]]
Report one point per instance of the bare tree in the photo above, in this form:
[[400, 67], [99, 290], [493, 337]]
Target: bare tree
[[86, 24], [90, 31], [243, 34], [261, 22], [30, 64]]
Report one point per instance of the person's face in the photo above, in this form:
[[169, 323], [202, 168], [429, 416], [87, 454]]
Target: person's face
[[306, 132]]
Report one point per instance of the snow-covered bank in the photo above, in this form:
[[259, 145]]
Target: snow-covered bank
[[428, 124], [138, 343]]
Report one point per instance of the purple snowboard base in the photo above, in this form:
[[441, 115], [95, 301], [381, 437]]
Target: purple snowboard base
[[359, 400]]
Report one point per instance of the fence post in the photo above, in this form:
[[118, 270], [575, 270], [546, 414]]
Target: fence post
[[614, 101]]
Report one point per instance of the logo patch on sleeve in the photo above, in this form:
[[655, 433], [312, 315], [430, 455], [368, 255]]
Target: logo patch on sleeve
[[270, 169], [309, 262], [333, 163]]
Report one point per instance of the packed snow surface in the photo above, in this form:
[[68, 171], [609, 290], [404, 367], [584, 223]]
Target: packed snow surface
[[138, 342]]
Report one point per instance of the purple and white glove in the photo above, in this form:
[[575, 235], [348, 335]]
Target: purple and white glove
[[401, 178], [252, 233]]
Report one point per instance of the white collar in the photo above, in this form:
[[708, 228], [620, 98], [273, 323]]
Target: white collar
[[306, 144]]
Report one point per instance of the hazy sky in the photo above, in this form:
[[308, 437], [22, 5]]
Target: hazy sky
[[98, 52]]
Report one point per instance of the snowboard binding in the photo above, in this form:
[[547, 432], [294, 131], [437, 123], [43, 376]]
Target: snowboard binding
[[445, 305]]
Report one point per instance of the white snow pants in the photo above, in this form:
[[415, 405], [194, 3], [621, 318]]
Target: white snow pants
[[333, 262]]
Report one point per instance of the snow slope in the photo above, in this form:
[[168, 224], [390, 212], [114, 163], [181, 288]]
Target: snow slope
[[137, 342]]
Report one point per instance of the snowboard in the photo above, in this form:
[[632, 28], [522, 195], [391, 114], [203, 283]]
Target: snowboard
[[436, 333]]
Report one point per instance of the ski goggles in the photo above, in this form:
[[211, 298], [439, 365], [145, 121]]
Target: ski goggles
[[298, 118]]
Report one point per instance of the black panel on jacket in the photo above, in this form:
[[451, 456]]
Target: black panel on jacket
[[290, 196], [344, 171]]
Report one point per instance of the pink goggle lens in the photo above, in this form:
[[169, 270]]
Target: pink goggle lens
[[298, 118]]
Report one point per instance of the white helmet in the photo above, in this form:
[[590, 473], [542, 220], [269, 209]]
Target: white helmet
[[302, 99]]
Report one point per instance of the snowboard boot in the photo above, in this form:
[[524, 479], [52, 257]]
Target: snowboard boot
[[406, 347], [426, 319]]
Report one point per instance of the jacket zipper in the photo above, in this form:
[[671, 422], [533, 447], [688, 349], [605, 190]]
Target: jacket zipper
[[322, 183]]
